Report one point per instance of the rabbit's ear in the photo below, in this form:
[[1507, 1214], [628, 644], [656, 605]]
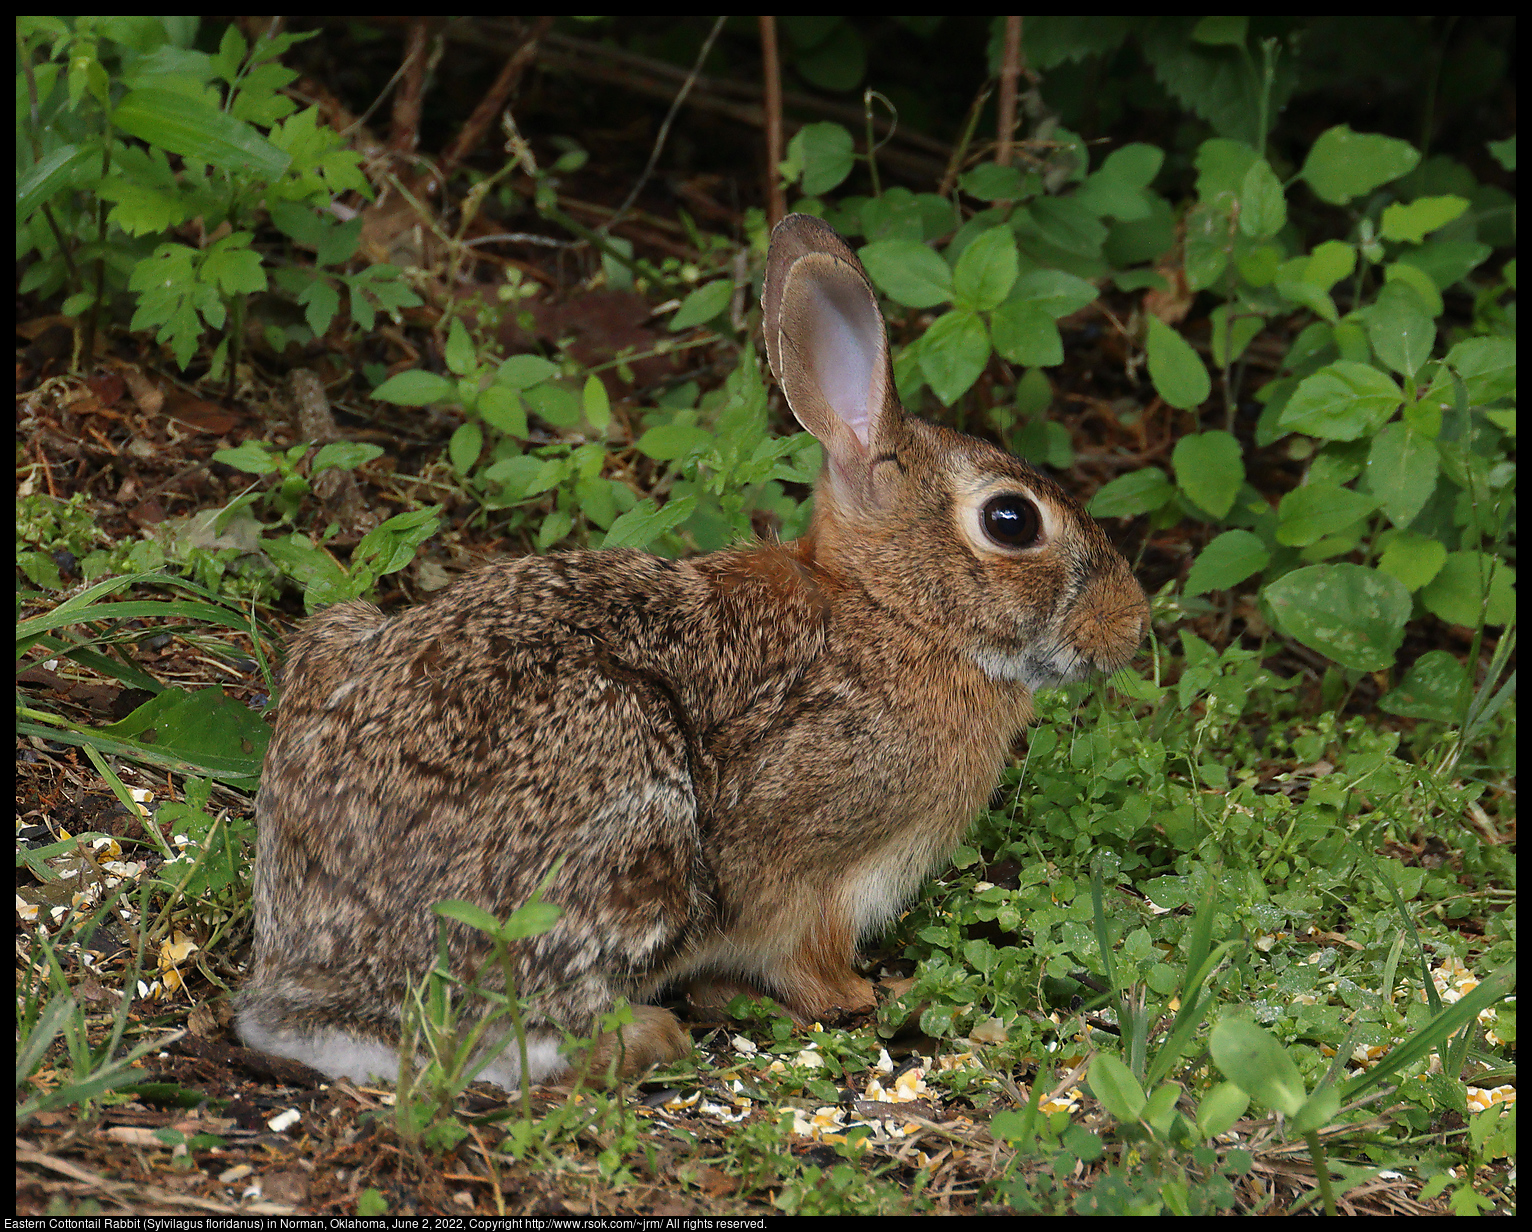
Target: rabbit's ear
[[827, 347]]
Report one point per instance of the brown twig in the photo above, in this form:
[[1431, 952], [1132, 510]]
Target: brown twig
[[404, 133], [1005, 104], [471, 135], [771, 71]]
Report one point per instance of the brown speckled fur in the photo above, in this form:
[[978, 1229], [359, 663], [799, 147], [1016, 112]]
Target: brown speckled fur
[[747, 760]]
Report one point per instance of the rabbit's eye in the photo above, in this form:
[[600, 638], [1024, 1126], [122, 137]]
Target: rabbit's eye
[[1010, 520]]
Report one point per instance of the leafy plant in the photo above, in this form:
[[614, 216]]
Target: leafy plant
[[109, 103]]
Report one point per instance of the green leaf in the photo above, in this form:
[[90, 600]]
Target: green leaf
[[597, 403], [1410, 223], [1255, 1062], [192, 726], [1309, 513], [1132, 494], [1402, 466], [1432, 689], [1056, 292], [459, 353], [1024, 331], [907, 272], [416, 388], [1210, 467], [1341, 402], [502, 409], [644, 523], [1221, 31], [346, 455], [1226, 562], [69, 166], [1220, 1108], [672, 442], [1457, 593], [524, 371], [250, 457], [553, 404], [986, 271], [953, 353], [1354, 615], [1487, 366], [1262, 207], [1114, 1085], [1343, 164], [823, 154], [1401, 334], [992, 182], [702, 305], [1413, 559], [391, 545], [1178, 373], [193, 127], [464, 448]]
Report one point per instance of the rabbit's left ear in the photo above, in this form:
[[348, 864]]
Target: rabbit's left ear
[[828, 349]]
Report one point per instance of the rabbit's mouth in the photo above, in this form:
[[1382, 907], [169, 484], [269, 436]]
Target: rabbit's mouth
[[1036, 671]]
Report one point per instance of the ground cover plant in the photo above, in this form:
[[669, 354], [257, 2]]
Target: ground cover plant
[[1237, 931]]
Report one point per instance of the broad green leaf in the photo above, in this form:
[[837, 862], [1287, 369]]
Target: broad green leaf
[[555, 405], [645, 523], [986, 271], [1254, 1061], [1220, 1108], [1418, 281], [823, 154], [1413, 559], [1456, 593], [250, 457], [702, 305], [415, 388], [992, 182], [525, 371], [1178, 373], [1209, 239], [1226, 562], [1307, 514], [1401, 334], [194, 128], [1234, 327], [1343, 164], [1410, 223], [1024, 331], [953, 353], [896, 215], [1487, 366], [391, 545], [1341, 402], [1262, 207], [459, 353], [1402, 467], [190, 726], [1114, 1085], [1136, 163], [1056, 292], [1354, 615], [1129, 495], [468, 913], [1065, 223], [501, 408], [1210, 467], [1329, 263], [907, 272], [69, 166], [672, 442], [1432, 689], [347, 455]]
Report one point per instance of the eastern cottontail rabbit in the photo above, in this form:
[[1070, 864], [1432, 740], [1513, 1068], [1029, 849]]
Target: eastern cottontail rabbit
[[748, 760]]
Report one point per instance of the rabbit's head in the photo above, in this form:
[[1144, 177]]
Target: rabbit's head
[[943, 531]]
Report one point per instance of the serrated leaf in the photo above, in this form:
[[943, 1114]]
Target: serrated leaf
[[645, 522], [1402, 467], [1129, 495], [1487, 366], [1226, 562], [1341, 402], [194, 128], [987, 270], [1343, 164], [908, 273], [1210, 467], [1354, 615], [953, 353], [1178, 373]]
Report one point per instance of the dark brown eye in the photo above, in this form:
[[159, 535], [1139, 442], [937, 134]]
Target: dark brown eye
[[1011, 520]]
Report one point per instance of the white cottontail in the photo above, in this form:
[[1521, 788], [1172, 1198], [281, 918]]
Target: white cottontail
[[748, 761]]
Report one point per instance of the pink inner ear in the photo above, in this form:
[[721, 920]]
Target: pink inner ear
[[846, 346]]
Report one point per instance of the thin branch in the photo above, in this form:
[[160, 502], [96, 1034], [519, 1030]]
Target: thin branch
[[771, 71], [659, 141], [404, 133], [471, 135], [1010, 71]]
